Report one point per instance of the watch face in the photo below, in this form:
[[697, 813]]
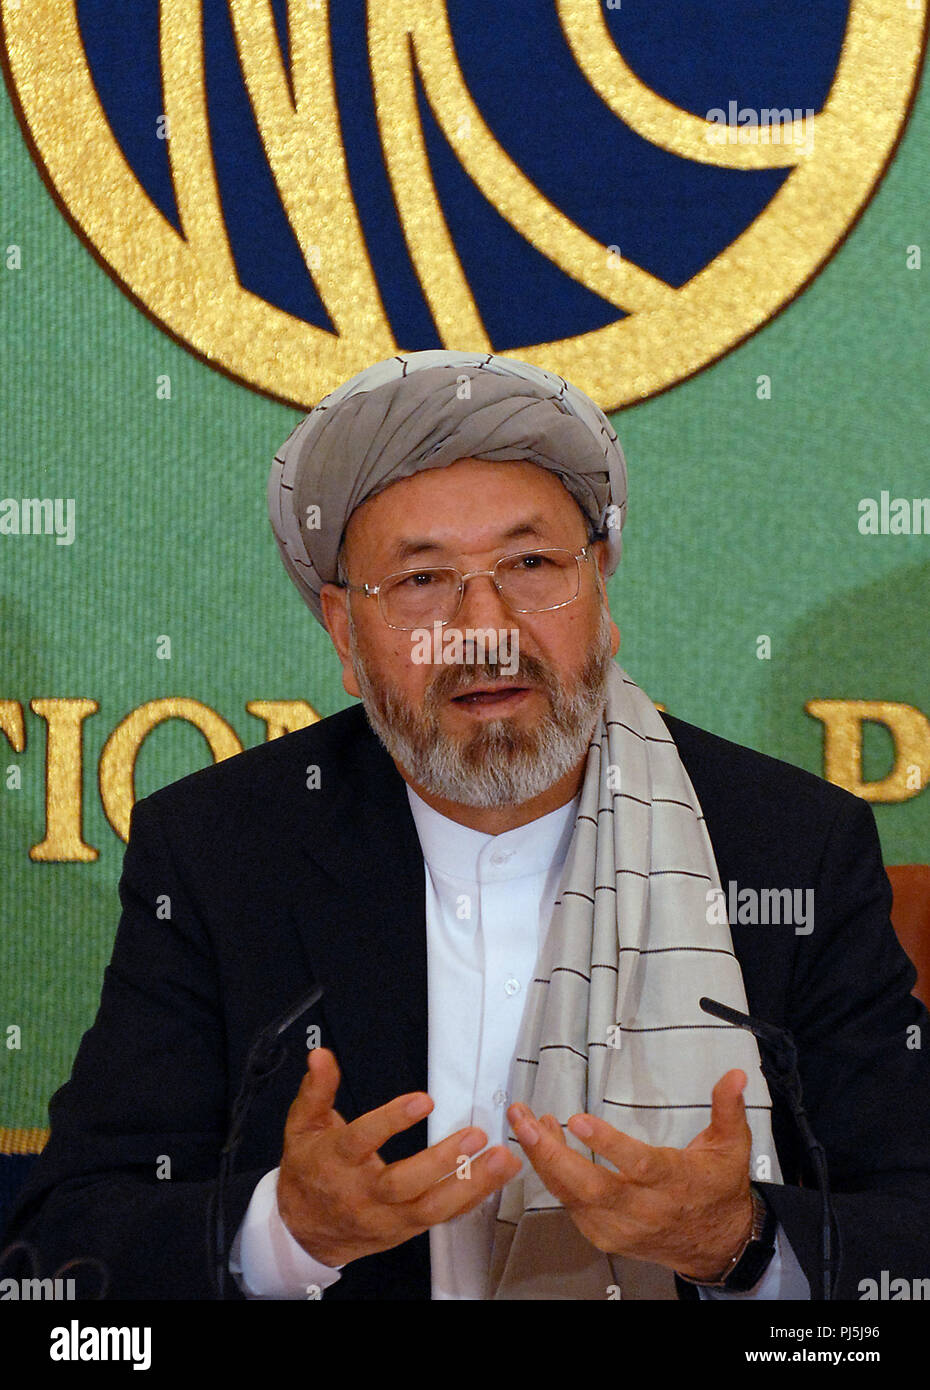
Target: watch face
[[749, 1270], [757, 1256]]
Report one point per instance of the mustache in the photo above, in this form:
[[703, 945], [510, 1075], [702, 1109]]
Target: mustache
[[451, 680]]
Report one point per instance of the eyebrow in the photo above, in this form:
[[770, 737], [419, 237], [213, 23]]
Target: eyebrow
[[420, 545]]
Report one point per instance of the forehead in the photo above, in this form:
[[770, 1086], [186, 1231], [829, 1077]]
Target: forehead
[[471, 505]]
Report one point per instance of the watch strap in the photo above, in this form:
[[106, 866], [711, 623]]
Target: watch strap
[[747, 1266]]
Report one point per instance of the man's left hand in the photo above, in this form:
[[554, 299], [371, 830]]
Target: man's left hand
[[688, 1209]]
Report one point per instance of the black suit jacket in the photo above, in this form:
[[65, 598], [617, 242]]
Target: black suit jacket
[[242, 886]]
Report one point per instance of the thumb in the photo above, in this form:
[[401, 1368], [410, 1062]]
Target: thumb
[[727, 1107], [727, 1113], [313, 1105]]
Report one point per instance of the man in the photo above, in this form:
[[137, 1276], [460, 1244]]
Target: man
[[510, 898]]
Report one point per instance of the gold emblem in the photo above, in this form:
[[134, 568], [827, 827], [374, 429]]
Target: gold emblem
[[188, 281]]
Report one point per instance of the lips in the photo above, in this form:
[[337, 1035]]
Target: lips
[[489, 694]]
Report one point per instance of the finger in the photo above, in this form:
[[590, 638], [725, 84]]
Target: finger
[[643, 1164], [409, 1178], [728, 1107], [554, 1128], [313, 1104], [569, 1176], [728, 1127], [364, 1136], [464, 1190]]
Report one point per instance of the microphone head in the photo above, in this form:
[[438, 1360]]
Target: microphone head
[[711, 1006]]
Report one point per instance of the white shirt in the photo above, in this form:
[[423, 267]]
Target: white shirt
[[488, 906]]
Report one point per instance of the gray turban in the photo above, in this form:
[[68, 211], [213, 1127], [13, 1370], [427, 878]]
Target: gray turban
[[426, 410]]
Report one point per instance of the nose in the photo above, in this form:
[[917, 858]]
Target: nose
[[482, 605]]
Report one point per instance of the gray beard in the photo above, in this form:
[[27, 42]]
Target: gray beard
[[500, 763]]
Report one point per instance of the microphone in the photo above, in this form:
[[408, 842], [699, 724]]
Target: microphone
[[265, 1057], [780, 1051], [778, 1040]]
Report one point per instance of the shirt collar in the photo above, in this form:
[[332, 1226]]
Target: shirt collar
[[460, 852]]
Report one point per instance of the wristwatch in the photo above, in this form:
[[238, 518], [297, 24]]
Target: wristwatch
[[750, 1262]]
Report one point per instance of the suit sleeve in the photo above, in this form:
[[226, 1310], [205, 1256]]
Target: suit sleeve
[[127, 1175], [864, 1049]]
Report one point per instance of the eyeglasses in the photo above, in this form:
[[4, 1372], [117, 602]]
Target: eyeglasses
[[534, 581]]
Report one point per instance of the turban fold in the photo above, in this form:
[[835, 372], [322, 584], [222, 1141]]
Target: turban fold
[[427, 410]]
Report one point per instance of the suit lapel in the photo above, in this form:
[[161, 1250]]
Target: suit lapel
[[359, 908]]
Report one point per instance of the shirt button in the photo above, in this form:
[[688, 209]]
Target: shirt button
[[512, 986], [500, 856], [500, 1096]]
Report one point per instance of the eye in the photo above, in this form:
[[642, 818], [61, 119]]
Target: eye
[[531, 562], [421, 580]]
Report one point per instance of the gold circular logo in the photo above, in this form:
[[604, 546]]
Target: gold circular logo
[[187, 279]]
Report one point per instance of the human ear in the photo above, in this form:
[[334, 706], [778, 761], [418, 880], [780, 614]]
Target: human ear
[[600, 551], [335, 604]]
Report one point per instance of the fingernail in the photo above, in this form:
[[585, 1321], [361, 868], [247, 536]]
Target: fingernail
[[582, 1127], [498, 1162], [418, 1107]]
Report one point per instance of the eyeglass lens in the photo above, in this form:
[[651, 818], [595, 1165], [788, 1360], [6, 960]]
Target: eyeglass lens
[[528, 583]]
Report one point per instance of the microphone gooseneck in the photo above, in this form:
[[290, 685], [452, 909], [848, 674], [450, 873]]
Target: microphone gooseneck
[[780, 1051], [265, 1057]]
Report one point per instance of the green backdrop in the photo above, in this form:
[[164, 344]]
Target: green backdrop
[[742, 522]]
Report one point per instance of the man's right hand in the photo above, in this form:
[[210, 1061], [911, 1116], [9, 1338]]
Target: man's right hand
[[341, 1201]]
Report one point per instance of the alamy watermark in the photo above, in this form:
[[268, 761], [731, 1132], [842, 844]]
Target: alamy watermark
[[885, 515], [448, 646], [38, 516], [37, 1290], [885, 1287], [767, 125], [792, 907], [87, 1343]]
